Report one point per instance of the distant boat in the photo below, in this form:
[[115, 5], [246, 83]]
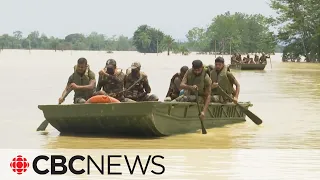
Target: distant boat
[[109, 52], [247, 66]]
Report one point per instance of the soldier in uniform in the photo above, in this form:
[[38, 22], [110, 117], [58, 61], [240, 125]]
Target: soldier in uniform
[[220, 76], [111, 80], [174, 88], [234, 59], [141, 90], [256, 59], [82, 81], [263, 58], [246, 59], [239, 58], [197, 80]]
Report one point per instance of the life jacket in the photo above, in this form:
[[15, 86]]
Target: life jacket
[[207, 69], [172, 91], [192, 79], [82, 81], [102, 99], [223, 81], [138, 88]]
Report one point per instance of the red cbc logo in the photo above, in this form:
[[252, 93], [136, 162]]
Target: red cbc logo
[[19, 164]]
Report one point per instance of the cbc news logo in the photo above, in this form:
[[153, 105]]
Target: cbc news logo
[[19, 164]]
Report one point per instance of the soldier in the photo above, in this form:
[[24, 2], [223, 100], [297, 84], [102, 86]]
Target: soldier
[[111, 80], [220, 76], [246, 59], [256, 59], [141, 90], [82, 81], [238, 58], [174, 89], [234, 59], [195, 82], [250, 60], [263, 58]]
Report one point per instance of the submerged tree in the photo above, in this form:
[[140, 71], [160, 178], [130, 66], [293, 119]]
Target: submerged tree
[[299, 28]]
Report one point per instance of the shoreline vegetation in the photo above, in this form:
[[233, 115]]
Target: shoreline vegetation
[[298, 35]]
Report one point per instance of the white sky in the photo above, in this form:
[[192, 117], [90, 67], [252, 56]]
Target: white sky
[[62, 17]]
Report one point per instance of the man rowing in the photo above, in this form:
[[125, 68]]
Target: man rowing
[[197, 85], [234, 59], [111, 80], [263, 58], [82, 81], [174, 88], [138, 83], [222, 79]]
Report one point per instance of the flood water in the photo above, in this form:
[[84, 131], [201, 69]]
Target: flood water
[[285, 96]]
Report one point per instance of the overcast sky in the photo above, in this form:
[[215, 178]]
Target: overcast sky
[[62, 17]]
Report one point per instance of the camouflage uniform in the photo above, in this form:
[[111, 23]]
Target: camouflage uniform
[[112, 85], [140, 92], [225, 79], [234, 59], [175, 82], [203, 82], [256, 58], [81, 96], [263, 59], [239, 58]]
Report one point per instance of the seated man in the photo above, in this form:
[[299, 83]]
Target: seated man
[[174, 88], [234, 59], [196, 82], [239, 59], [82, 81], [137, 86], [111, 80], [220, 76], [256, 59], [263, 58]]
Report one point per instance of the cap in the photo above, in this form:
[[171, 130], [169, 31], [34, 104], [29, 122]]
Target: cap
[[219, 59], [184, 69], [111, 62], [135, 65], [197, 64]]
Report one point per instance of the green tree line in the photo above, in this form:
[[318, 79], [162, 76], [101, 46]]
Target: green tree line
[[76, 41], [235, 33], [298, 28]]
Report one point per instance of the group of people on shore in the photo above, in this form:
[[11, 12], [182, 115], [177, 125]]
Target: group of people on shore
[[199, 83], [236, 59]]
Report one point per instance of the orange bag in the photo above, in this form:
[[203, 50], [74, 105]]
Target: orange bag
[[102, 99]]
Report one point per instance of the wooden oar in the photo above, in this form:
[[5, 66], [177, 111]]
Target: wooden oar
[[270, 61], [252, 116], [130, 86], [45, 123], [204, 131]]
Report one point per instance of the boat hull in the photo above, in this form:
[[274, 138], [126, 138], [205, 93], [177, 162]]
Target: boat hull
[[138, 119], [247, 66]]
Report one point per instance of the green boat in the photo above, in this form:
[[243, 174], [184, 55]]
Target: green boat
[[139, 118], [247, 66]]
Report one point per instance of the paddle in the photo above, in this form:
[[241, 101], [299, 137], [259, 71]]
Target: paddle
[[204, 131], [270, 61], [252, 116], [129, 87], [45, 123]]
